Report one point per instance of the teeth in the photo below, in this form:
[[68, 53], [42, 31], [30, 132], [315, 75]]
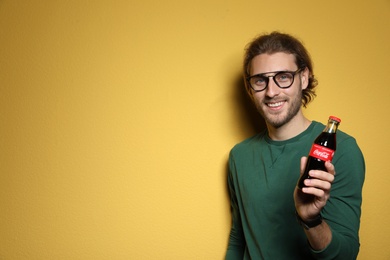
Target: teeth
[[275, 104]]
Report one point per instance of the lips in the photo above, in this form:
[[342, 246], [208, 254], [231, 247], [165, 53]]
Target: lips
[[275, 104]]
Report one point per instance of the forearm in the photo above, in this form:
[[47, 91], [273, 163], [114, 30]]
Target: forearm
[[319, 237]]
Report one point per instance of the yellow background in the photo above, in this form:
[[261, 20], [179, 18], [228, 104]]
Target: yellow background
[[117, 117]]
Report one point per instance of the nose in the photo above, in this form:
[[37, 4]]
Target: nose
[[272, 89]]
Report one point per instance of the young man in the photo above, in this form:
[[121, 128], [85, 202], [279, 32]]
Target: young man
[[271, 218]]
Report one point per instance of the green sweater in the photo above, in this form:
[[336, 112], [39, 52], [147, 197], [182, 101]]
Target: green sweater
[[262, 176]]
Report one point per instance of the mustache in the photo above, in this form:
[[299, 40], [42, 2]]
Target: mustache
[[274, 100]]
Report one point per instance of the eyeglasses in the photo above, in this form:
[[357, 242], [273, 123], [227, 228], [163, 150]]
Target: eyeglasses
[[283, 79]]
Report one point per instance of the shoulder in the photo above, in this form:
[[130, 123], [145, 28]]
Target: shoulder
[[343, 137], [347, 143], [249, 143], [317, 127], [348, 156]]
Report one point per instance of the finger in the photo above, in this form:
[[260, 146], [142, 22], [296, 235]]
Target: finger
[[330, 167], [321, 196], [322, 175], [324, 185]]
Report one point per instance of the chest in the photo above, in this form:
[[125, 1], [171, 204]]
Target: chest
[[268, 177]]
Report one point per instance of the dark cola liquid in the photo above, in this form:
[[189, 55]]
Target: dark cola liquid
[[324, 139]]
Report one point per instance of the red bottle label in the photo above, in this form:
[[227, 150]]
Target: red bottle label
[[321, 152]]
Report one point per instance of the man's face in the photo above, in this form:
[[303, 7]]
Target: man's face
[[278, 106]]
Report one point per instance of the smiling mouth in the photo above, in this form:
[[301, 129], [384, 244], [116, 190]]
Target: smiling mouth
[[275, 104]]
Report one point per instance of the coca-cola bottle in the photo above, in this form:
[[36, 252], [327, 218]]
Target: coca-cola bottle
[[322, 150]]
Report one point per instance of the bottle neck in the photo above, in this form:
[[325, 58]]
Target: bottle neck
[[331, 128]]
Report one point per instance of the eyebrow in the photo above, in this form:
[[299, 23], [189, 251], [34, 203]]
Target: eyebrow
[[264, 73]]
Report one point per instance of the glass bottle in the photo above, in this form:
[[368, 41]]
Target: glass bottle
[[322, 150]]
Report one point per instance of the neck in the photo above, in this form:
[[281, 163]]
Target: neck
[[289, 130]]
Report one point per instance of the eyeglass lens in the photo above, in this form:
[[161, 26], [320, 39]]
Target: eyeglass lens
[[283, 79]]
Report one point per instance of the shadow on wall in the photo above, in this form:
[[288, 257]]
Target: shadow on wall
[[249, 120]]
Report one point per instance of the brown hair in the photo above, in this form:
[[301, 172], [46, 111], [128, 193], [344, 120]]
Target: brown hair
[[280, 42]]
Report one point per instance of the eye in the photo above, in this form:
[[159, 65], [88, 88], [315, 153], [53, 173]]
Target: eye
[[259, 80], [283, 77]]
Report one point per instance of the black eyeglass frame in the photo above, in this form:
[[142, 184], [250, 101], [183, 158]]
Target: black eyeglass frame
[[266, 78]]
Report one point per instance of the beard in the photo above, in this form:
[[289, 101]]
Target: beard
[[279, 119]]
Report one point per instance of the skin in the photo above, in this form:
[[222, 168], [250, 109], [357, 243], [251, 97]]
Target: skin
[[281, 108], [282, 111]]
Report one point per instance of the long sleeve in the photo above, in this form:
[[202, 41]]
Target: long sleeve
[[236, 245], [262, 177], [343, 210]]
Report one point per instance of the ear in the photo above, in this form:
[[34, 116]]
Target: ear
[[305, 75]]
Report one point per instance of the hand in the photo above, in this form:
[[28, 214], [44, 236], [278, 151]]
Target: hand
[[311, 199]]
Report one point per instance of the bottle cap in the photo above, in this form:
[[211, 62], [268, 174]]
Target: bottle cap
[[335, 119]]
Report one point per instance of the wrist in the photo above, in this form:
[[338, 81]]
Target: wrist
[[307, 224]]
